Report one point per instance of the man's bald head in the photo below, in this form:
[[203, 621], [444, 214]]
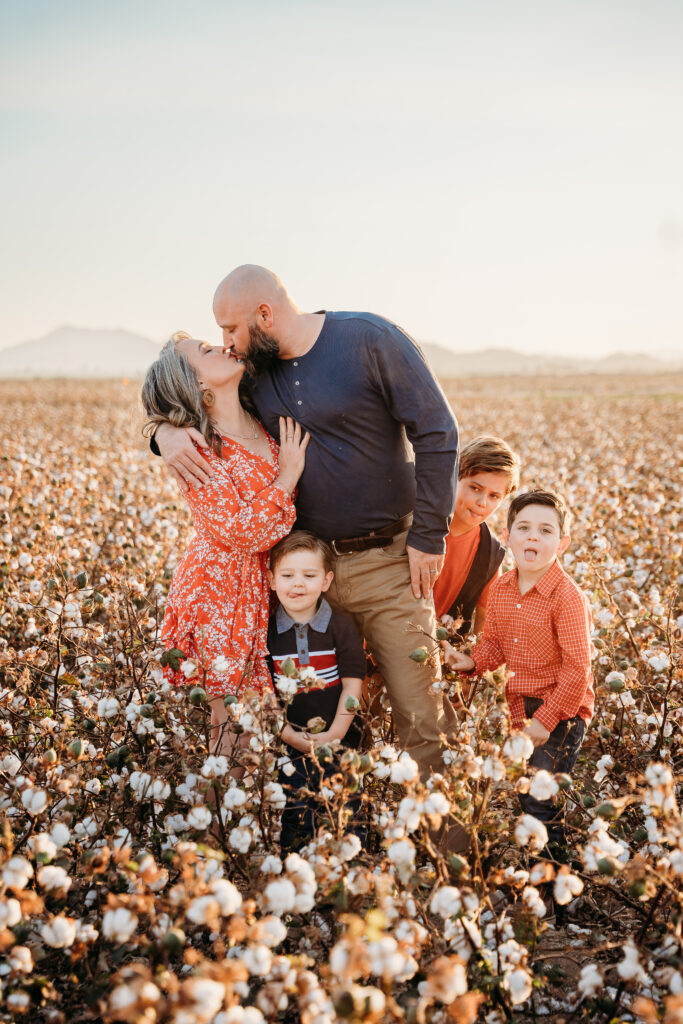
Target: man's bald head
[[252, 307], [248, 287]]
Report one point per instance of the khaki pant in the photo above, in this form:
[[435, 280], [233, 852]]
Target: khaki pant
[[374, 588]]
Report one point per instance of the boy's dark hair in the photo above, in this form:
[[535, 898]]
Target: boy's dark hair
[[490, 455], [302, 540], [549, 498]]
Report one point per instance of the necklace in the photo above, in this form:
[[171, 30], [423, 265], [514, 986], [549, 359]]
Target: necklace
[[245, 437]]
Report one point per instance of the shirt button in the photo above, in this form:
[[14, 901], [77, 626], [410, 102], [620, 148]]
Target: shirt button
[[297, 383], [299, 402], [519, 606], [296, 362], [515, 640]]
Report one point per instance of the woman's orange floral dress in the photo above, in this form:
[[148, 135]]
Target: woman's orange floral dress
[[217, 608]]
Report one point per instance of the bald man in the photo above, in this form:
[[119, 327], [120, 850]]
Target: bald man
[[380, 475]]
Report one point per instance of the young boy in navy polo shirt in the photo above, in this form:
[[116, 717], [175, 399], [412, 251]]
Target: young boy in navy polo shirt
[[306, 630]]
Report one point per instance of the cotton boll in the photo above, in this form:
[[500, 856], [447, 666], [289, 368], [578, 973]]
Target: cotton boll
[[108, 707], [42, 846], [16, 873], [531, 898], [590, 981], [257, 960], [279, 896], [566, 887], [203, 910], [518, 983], [446, 901], [518, 747], [59, 933], [10, 913], [20, 959], [228, 896], [34, 800], [404, 769], [402, 854], [215, 766], [493, 769], [240, 839], [532, 832], [630, 969], [118, 925], [199, 818], [543, 786], [54, 879], [271, 865]]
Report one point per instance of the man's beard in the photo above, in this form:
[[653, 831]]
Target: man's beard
[[262, 351]]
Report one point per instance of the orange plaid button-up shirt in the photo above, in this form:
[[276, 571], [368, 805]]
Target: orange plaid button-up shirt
[[544, 638]]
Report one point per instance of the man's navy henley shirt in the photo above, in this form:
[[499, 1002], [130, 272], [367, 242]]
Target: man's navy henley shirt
[[369, 401]]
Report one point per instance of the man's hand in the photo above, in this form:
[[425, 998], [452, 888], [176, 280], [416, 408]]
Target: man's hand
[[188, 467], [537, 733], [424, 570], [455, 659]]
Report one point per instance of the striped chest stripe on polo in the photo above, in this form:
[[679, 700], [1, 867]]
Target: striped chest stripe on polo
[[324, 663]]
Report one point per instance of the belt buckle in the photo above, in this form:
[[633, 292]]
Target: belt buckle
[[333, 545]]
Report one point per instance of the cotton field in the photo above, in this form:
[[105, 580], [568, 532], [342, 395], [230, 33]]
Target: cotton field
[[140, 874]]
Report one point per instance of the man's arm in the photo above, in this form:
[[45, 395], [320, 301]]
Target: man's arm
[[415, 399]]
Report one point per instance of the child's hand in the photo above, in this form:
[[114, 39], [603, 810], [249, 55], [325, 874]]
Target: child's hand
[[455, 660], [319, 739], [301, 741], [537, 733]]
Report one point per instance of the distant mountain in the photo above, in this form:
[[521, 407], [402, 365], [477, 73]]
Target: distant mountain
[[504, 362], [91, 353], [79, 352]]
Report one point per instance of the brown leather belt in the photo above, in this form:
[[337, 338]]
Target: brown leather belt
[[381, 538]]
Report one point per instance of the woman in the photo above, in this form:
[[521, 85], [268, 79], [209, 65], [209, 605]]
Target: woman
[[217, 609]]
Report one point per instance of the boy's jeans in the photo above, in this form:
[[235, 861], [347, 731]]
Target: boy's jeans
[[303, 814], [557, 754]]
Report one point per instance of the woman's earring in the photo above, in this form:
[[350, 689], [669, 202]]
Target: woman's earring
[[208, 398]]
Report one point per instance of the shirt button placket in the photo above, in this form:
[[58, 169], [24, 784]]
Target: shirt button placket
[[302, 645]]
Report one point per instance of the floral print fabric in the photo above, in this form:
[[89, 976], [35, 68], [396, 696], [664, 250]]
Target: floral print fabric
[[217, 609]]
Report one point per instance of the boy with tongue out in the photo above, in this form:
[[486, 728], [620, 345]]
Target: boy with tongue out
[[539, 623]]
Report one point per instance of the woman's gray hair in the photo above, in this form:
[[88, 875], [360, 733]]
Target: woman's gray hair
[[171, 394]]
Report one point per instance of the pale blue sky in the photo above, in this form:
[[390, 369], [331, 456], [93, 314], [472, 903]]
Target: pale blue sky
[[485, 173]]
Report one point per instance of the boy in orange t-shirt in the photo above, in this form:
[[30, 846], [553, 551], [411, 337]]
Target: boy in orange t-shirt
[[489, 471]]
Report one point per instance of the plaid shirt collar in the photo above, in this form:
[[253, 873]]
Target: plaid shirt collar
[[319, 622], [548, 582]]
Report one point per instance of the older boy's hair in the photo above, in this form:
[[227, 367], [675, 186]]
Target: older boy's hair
[[490, 455], [302, 540], [550, 498]]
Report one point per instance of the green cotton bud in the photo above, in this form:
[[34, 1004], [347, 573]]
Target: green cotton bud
[[316, 725], [351, 703], [420, 655]]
